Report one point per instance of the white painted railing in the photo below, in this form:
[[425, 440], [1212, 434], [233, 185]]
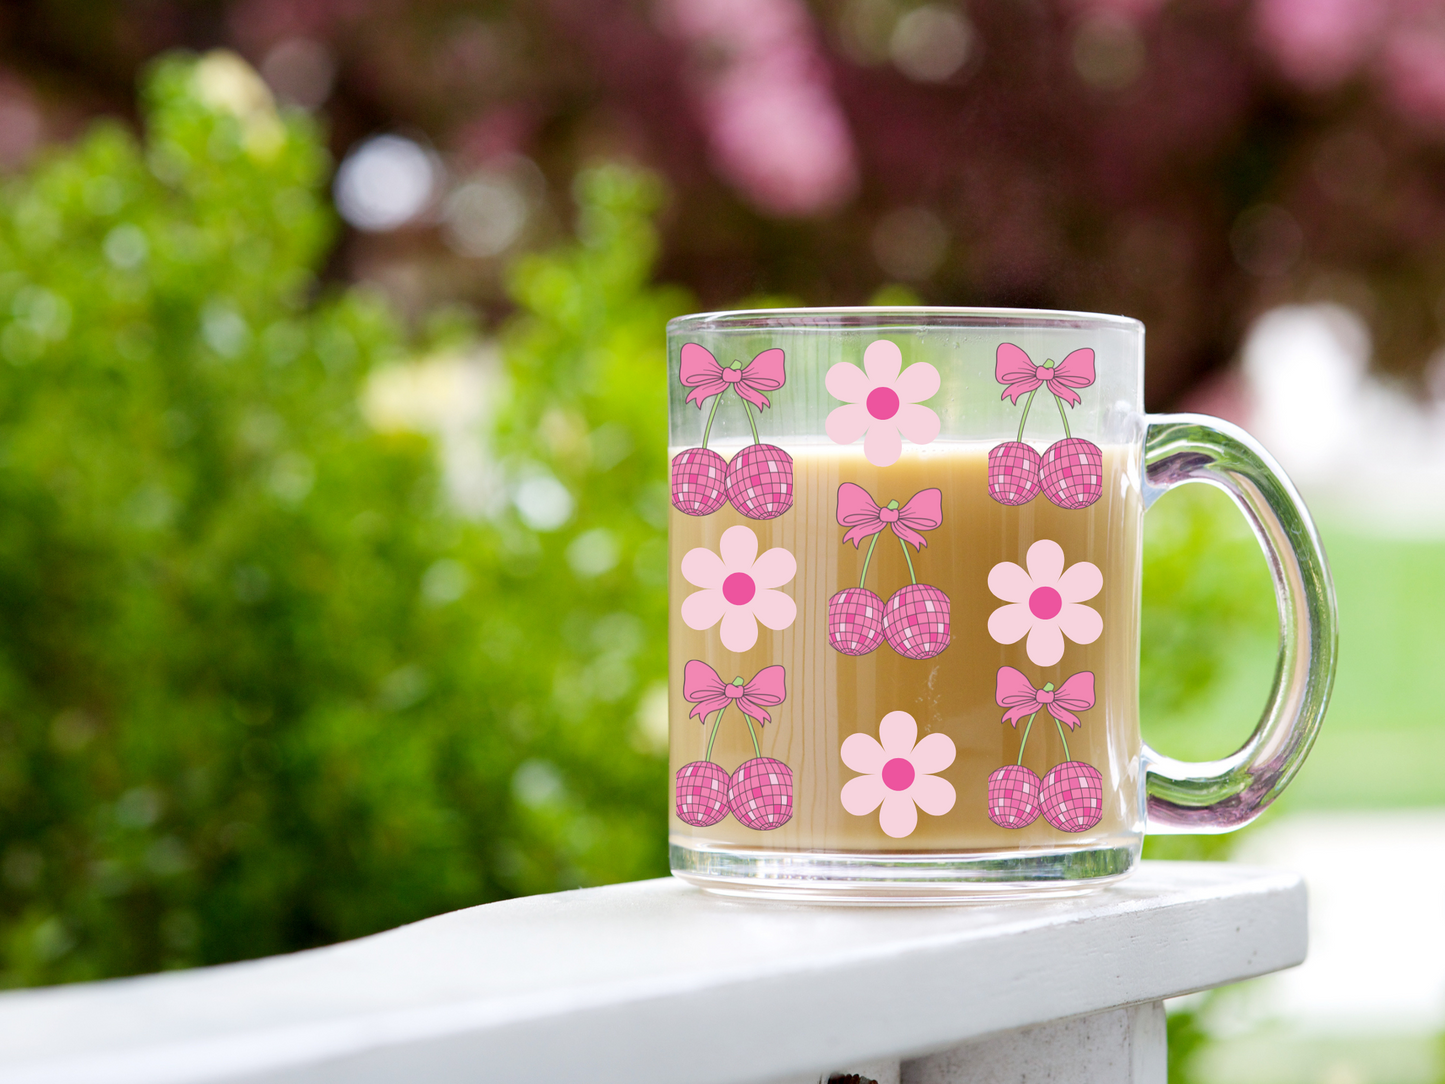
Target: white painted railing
[[656, 982]]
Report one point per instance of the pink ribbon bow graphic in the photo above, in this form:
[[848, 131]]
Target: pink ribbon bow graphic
[[1022, 376], [856, 510], [1018, 694], [701, 372], [702, 686]]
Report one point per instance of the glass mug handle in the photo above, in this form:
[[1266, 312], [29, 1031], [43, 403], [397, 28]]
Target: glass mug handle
[[1222, 795]]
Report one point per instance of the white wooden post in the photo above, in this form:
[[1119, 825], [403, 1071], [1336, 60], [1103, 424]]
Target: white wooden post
[[656, 982]]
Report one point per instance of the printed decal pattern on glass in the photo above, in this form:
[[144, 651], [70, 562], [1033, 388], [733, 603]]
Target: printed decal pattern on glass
[[759, 479], [915, 620], [899, 774], [739, 588], [1045, 602], [882, 403], [760, 792], [1070, 473], [1071, 794]]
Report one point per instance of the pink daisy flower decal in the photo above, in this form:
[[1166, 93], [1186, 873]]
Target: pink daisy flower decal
[[882, 403], [1044, 602], [898, 774], [738, 588]]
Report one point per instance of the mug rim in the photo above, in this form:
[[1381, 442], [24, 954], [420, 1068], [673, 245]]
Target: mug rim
[[863, 317]]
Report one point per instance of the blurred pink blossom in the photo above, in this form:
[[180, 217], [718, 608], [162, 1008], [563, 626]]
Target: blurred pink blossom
[[1320, 43], [1413, 72], [775, 128], [499, 132]]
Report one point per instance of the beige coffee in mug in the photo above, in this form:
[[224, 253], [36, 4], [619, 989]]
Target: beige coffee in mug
[[905, 553]]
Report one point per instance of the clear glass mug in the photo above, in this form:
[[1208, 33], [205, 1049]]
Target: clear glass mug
[[905, 558]]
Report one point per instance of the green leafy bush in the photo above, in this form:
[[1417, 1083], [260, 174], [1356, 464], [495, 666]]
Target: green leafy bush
[[234, 718]]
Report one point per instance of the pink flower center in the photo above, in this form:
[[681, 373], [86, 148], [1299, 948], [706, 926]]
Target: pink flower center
[[739, 589], [898, 774], [883, 403], [1044, 603]]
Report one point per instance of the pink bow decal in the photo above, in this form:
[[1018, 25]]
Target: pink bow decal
[[701, 372], [1022, 376], [856, 510], [702, 686], [1018, 694]]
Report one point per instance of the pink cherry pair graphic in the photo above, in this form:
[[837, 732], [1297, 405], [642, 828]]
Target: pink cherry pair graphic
[[759, 794], [758, 481], [915, 620], [1070, 796], [1070, 473]]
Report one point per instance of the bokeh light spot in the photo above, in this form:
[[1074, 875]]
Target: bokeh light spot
[[1109, 52], [384, 183], [931, 43], [300, 71], [910, 243], [593, 552], [1266, 240], [543, 503], [126, 246], [484, 216]]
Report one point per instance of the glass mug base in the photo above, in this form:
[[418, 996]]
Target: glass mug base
[[883, 878]]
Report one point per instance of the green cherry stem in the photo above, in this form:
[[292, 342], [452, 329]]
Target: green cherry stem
[[1060, 404], [738, 681], [909, 558], [739, 366], [871, 547], [749, 413], [754, 734], [1049, 364], [894, 505], [1027, 404], [1063, 739], [716, 400], [717, 722], [1027, 727]]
